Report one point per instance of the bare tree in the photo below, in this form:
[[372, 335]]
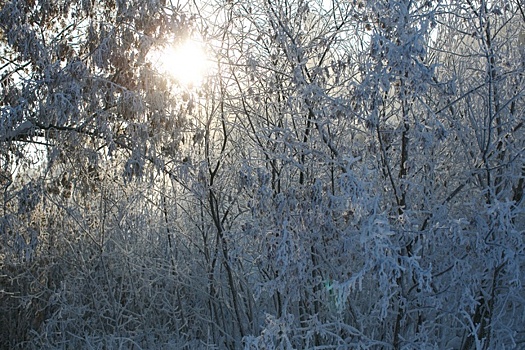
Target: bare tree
[[348, 175]]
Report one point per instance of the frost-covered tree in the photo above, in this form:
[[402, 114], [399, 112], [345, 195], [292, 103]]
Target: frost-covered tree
[[348, 175], [82, 113]]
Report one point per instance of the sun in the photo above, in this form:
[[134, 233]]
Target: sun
[[186, 62]]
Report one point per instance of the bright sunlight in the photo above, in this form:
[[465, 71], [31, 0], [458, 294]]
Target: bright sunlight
[[186, 63]]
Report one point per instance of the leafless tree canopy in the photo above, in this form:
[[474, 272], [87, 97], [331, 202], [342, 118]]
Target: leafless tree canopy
[[348, 175]]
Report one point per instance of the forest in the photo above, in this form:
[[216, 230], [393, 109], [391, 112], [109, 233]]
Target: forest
[[342, 175]]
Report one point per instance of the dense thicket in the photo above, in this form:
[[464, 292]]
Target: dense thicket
[[349, 176]]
